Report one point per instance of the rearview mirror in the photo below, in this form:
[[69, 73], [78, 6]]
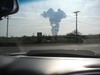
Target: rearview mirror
[[8, 7]]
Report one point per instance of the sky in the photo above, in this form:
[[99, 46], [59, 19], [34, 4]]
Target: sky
[[28, 21]]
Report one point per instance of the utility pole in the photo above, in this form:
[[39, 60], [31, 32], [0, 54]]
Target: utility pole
[[7, 26], [76, 12]]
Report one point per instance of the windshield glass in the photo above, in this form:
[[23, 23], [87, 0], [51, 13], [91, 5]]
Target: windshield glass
[[52, 24]]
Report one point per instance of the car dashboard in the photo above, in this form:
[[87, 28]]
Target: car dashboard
[[22, 64]]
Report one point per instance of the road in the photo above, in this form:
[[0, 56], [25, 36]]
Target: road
[[93, 47]]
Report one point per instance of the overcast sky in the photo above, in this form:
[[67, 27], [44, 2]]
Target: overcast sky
[[28, 20]]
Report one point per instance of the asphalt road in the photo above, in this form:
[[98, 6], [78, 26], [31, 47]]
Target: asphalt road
[[93, 47]]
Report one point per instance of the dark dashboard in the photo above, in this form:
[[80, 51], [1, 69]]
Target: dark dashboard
[[23, 64]]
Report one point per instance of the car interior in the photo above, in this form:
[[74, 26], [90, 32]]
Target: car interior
[[46, 61]]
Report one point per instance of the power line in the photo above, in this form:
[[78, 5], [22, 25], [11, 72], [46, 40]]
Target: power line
[[92, 17], [84, 23], [88, 24], [96, 19]]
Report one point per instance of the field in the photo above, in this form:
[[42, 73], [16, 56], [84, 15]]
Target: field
[[48, 39]]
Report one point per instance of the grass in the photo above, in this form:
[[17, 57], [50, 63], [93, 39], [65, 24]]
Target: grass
[[31, 40], [91, 40]]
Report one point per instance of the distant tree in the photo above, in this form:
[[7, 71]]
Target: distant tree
[[24, 36], [73, 33], [11, 36]]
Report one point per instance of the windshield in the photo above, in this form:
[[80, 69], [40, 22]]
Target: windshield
[[52, 24]]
